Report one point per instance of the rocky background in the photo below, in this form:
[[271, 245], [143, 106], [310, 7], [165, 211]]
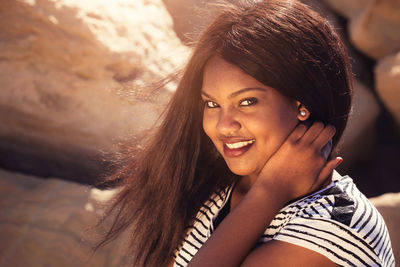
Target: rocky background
[[77, 77]]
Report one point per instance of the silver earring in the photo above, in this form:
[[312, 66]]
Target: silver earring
[[303, 113]]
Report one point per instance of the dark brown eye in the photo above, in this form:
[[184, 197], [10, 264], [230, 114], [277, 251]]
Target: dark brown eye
[[210, 104], [248, 101]]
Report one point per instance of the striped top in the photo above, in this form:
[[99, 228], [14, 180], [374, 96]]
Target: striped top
[[338, 222]]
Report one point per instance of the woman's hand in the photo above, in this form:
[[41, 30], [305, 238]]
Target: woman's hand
[[300, 165]]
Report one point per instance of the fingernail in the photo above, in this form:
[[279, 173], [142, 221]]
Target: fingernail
[[340, 160]]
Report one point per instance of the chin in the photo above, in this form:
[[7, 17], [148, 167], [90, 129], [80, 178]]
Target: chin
[[241, 171]]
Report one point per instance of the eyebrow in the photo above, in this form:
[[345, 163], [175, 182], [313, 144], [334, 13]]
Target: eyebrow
[[236, 93]]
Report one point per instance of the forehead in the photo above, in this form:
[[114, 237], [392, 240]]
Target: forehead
[[219, 76]]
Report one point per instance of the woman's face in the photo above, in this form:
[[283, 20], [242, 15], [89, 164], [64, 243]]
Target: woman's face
[[246, 120]]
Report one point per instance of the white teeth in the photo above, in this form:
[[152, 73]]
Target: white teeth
[[239, 144]]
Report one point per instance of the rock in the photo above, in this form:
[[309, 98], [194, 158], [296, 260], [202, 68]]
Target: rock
[[374, 25], [376, 30], [387, 83], [346, 8], [389, 206], [184, 17], [191, 16], [52, 223], [359, 136], [361, 65], [75, 76]]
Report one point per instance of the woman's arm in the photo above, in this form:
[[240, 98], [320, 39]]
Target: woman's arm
[[297, 168], [279, 253]]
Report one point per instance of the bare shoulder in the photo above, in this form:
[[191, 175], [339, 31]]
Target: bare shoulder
[[280, 253]]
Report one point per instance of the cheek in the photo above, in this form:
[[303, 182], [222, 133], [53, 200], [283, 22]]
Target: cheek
[[208, 125], [273, 129]]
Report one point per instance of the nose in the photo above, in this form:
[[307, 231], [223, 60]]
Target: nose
[[228, 124]]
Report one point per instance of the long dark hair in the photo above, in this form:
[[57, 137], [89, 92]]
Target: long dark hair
[[282, 44]]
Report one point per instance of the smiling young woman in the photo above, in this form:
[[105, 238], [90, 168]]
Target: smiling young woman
[[246, 120], [241, 170]]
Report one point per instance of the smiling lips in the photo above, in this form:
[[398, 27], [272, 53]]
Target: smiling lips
[[237, 148]]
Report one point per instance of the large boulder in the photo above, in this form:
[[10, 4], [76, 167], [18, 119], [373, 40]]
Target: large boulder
[[187, 21], [53, 223], [359, 135], [191, 16], [75, 80], [361, 65], [346, 8], [376, 30], [387, 83], [374, 26]]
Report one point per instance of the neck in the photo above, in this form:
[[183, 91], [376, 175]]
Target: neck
[[245, 183]]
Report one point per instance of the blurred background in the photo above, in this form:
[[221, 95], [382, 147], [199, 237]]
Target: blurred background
[[77, 78]]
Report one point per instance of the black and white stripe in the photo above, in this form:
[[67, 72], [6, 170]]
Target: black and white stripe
[[202, 227], [339, 222]]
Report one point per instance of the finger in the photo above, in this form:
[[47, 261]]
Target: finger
[[323, 138], [313, 132], [298, 132], [327, 171]]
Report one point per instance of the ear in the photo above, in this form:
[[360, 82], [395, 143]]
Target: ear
[[303, 112]]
